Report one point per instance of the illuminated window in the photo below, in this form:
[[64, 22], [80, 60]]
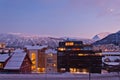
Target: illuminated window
[[54, 65], [41, 69], [98, 54], [83, 54], [62, 69], [50, 54], [80, 54], [76, 49], [61, 49], [1, 65], [72, 70], [76, 70], [0, 45], [33, 59], [69, 43]]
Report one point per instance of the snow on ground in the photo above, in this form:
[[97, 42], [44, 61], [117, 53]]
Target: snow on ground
[[64, 76]]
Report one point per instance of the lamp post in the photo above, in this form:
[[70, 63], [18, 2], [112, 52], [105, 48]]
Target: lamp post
[[90, 70]]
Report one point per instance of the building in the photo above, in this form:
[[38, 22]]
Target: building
[[2, 45], [51, 61], [75, 57], [4, 50], [18, 63], [111, 61], [37, 56], [3, 60]]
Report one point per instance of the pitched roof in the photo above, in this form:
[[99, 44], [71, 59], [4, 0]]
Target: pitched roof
[[15, 61], [4, 57]]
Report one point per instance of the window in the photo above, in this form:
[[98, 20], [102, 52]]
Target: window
[[54, 65], [50, 54], [69, 43], [75, 49], [1, 65], [61, 49], [62, 69], [81, 54], [33, 59]]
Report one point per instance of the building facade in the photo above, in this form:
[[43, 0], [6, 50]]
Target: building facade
[[37, 56], [75, 57], [51, 61]]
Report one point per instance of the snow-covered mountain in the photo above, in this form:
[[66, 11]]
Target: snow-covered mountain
[[113, 38], [20, 40], [100, 36]]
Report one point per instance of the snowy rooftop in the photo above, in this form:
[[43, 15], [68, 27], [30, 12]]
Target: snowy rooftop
[[114, 53], [51, 51], [112, 63], [36, 47], [18, 51], [15, 61], [3, 57], [112, 58]]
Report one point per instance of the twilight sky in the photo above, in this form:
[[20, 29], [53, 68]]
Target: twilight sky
[[60, 18]]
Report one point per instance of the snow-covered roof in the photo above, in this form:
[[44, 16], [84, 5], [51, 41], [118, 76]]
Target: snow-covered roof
[[18, 51], [112, 63], [36, 47], [113, 53], [4, 57], [48, 51], [15, 61], [111, 58]]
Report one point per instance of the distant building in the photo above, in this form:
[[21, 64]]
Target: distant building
[[2, 45], [4, 50], [74, 56], [51, 61], [18, 63], [37, 56]]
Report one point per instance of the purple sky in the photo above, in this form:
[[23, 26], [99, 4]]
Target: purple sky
[[60, 18]]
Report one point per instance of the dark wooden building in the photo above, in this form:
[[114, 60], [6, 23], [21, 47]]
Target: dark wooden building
[[74, 56]]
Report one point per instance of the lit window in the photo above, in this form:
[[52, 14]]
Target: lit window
[[54, 65], [1, 65], [72, 70], [69, 44], [83, 54], [62, 69], [50, 54], [98, 54], [61, 49], [41, 69], [76, 49], [33, 59], [80, 54]]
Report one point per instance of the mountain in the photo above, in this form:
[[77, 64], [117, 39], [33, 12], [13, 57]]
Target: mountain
[[100, 36], [110, 39], [85, 40], [19, 40]]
